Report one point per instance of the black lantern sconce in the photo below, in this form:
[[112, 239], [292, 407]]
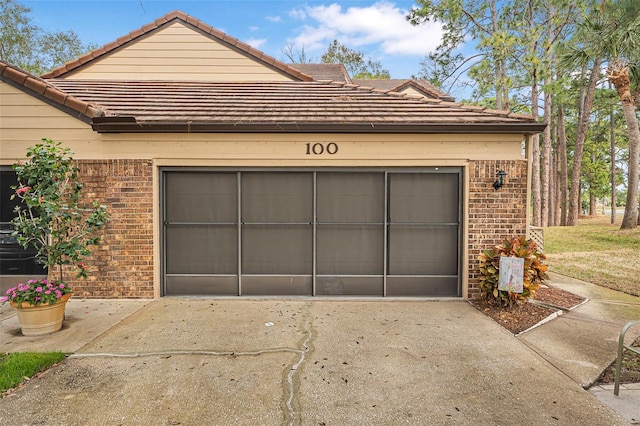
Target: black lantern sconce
[[500, 181]]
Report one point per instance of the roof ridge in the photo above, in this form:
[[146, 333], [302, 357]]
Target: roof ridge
[[399, 84], [430, 89], [166, 19], [392, 92], [43, 90]]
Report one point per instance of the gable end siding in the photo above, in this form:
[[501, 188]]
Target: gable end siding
[[177, 52]]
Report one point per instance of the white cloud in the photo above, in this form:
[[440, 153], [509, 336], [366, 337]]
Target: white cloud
[[254, 28], [382, 26], [273, 18], [256, 42], [298, 14]]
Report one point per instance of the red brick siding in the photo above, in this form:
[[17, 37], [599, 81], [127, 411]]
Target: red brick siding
[[122, 266], [494, 215]]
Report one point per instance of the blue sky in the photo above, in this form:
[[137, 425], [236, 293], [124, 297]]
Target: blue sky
[[377, 28]]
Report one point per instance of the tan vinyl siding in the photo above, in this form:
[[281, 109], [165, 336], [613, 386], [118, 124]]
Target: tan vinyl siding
[[290, 149], [178, 53], [25, 120], [411, 91]]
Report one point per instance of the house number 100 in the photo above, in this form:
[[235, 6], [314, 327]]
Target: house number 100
[[320, 148]]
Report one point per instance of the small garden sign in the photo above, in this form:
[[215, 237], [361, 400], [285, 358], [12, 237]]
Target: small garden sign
[[511, 274]]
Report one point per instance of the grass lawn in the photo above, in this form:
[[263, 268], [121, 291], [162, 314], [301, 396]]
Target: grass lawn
[[15, 367], [597, 252]]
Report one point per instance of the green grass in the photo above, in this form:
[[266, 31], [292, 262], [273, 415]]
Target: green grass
[[14, 367], [596, 251]]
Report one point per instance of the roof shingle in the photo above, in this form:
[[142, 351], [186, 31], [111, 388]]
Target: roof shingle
[[330, 72], [216, 106]]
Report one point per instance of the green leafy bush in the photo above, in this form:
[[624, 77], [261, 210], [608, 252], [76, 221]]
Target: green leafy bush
[[534, 270], [50, 216]]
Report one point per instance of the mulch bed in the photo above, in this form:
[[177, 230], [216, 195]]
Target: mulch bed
[[525, 315]]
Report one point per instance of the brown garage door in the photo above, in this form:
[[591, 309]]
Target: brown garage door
[[312, 232]]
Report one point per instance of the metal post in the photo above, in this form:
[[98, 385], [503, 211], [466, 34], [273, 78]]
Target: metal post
[[621, 348]]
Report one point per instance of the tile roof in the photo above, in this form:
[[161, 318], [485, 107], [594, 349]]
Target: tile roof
[[331, 72], [44, 91], [397, 85], [173, 106], [196, 24]]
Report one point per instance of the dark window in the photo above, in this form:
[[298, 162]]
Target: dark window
[[14, 260]]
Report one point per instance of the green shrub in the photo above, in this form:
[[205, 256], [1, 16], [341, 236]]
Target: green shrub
[[534, 270], [50, 216]]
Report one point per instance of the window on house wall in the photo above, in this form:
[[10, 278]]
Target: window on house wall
[[14, 260]]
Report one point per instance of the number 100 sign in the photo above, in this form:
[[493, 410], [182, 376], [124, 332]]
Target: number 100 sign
[[318, 148]]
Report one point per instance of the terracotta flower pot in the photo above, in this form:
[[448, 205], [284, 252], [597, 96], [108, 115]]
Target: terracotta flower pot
[[41, 319]]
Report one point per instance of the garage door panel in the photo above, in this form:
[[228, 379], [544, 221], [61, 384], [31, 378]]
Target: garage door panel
[[350, 250], [423, 198], [350, 197], [202, 249], [277, 197], [423, 250], [202, 197], [201, 285], [277, 285], [422, 286], [277, 249], [349, 286]]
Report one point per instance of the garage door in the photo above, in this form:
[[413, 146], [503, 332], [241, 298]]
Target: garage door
[[312, 232]]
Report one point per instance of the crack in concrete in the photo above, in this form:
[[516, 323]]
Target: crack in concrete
[[292, 416], [183, 352], [291, 409]]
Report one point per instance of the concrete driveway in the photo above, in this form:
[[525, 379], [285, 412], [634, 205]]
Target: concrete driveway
[[299, 362]]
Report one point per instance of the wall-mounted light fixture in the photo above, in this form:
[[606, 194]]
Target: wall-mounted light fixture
[[500, 180]]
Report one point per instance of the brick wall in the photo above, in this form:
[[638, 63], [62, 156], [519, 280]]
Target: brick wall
[[494, 215], [122, 266]]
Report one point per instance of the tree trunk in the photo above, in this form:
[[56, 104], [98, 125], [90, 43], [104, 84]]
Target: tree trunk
[[630, 218], [536, 218], [619, 77], [612, 154], [592, 204], [545, 193], [505, 88], [553, 196], [563, 181], [553, 177], [499, 64], [581, 135]]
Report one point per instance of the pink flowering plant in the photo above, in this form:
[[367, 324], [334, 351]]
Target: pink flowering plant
[[52, 218], [36, 292]]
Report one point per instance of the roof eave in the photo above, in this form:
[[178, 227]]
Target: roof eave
[[42, 90], [130, 125]]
